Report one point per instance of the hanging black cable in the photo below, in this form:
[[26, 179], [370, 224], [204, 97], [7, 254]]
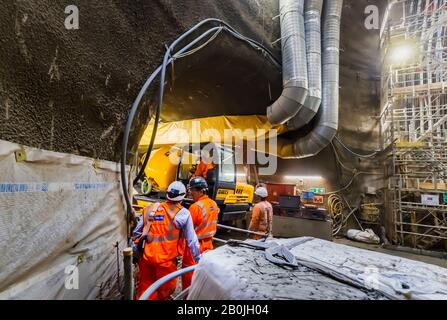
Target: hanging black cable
[[161, 94], [180, 53], [168, 59]]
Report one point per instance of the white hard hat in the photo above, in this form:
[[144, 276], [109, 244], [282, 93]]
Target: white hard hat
[[262, 192], [176, 191]]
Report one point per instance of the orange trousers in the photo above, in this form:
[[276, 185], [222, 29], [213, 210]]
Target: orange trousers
[[188, 261], [149, 273]]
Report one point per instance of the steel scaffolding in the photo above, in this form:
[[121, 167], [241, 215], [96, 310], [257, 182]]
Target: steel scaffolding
[[414, 120]]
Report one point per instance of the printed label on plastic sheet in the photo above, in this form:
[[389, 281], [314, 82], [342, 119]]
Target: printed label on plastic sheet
[[61, 218]]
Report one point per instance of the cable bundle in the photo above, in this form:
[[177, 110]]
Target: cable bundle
[[335, 207]]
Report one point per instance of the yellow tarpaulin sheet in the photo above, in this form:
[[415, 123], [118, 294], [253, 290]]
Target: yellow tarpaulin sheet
[[213, 129]]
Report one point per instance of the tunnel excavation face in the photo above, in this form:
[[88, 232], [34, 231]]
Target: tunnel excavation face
[[227, 77]]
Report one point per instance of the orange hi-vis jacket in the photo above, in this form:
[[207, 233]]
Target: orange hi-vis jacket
[[206, 212], [204, 215], [203, 168], [261, 219], [163, 236]]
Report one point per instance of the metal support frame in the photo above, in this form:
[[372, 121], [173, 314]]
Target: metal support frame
[[128, 274], [414, 121], [262, 234]]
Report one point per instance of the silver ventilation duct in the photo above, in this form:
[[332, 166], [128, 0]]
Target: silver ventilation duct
[[294, 61], [312, 22], [326, 125]]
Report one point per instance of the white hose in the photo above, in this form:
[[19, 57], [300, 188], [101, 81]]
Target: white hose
[[157, 284]]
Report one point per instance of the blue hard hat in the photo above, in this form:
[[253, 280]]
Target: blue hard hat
[[198, 183]]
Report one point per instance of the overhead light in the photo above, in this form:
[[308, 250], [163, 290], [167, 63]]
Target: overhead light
[[303, 177], [403, 53]]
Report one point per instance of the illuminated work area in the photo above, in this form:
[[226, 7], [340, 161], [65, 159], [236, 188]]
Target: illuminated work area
[[223, 150]]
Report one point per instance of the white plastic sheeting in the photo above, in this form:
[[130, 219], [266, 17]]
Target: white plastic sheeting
[[240, 273], [326, 271], [58, 212], [367, 236], [395, 277]]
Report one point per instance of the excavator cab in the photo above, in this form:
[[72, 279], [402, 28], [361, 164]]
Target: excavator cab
[[168, 164]]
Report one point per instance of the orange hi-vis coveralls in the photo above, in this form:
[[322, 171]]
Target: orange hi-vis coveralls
[[165, 242], [202, 169], [204, 213], [261, 219]]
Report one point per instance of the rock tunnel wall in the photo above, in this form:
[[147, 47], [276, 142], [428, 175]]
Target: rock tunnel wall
[[71, 90]]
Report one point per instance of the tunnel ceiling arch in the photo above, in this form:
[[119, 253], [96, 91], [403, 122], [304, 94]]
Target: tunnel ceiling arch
[[71, 90], [227, 77]]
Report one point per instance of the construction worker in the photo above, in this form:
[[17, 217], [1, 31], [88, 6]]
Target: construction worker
[[204, 213], [262, 214], [205, 165], [164, 228]]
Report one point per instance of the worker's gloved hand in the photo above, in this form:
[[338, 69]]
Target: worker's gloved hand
[[141, 243]]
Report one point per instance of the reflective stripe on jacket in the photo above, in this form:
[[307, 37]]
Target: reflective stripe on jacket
[[210, 214], [163, 236], [265, 223]]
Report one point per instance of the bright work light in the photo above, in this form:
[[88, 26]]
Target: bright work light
[[403, 53]]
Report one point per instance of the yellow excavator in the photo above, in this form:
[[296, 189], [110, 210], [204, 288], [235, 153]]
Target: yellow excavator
[[171, 163]]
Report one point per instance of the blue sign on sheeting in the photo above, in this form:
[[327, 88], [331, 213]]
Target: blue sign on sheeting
[[90, 186], [23, 187]]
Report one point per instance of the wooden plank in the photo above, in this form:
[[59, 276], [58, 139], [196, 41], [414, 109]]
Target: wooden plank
[[431, 186], [418, 88]]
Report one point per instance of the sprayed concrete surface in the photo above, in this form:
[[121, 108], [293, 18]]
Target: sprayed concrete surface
[[71, 90]]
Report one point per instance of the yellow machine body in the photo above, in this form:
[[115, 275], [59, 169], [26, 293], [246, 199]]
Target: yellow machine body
[[243, 193], [162, 167], [168, 164]]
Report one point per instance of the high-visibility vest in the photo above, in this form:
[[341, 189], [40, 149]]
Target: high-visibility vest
[[266, 219], [210, 212], [203, 168], [162, 244]]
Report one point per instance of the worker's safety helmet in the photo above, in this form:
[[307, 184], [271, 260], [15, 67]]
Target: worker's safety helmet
[[262, 192], [198, 183], [176, 191]]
